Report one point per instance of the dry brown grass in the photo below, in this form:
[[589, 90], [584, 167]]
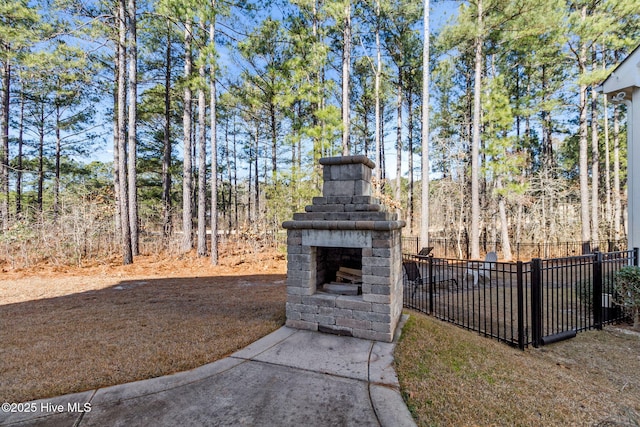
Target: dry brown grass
[[69, 329], [450, 376]]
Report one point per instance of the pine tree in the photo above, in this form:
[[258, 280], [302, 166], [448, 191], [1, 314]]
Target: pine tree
[[589, 23], [132, 122], [402, 43], [202, 155], [187, 174], [346, 76], [123, 188], [214, 144], [18, 31]]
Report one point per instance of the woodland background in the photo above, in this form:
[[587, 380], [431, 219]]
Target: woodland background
[[217, 112]]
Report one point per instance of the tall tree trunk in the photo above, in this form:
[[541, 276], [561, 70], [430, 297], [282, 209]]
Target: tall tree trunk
[[425, 169], [202, 160], [187, 218], [607, 158], [595, 168], [250, 216], [295, 172], [584, 169], [607, 168], [398, 191], [319, 101], [346, 71], [475, 142], [229, 202], [378, 73], [19, 157], [383, 166], [116, 135], [214, 149], [410, 154], [584, 160], [40, 195], [127, 253], [595, 162], [132, 124], [202, 172], [274, 142], [256, 184], [4, 145], [235, 174], [57, 155], [504, 225], [194, 159], [167, 222], [367, 140]]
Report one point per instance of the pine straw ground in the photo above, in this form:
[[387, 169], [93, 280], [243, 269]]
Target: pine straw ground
[[450, 376], [65, 329]]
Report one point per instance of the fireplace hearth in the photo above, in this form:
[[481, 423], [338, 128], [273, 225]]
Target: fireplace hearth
[[344, 272]]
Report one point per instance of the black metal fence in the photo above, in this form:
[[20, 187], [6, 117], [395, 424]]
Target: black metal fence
[[459, 248], [521, 303]]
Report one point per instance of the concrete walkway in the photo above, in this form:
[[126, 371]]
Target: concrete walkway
[[288, 378]]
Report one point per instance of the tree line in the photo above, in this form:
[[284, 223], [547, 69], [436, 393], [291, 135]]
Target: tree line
[[217, 112]]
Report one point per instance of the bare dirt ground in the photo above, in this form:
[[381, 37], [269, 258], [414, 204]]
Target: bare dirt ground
[[68, 329]]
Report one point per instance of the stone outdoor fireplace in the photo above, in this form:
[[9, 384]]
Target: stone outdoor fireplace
[[344, 273]]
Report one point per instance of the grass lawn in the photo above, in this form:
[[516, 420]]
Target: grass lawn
[[451, 376], [65, 330]]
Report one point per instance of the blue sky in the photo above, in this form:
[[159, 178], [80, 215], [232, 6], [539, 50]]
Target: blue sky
[[441, 12]]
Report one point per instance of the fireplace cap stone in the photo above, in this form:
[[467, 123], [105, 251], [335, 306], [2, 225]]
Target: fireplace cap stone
[[347, 160], [343, 225]]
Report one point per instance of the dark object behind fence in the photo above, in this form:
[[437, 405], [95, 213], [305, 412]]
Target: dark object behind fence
[[522, 303]]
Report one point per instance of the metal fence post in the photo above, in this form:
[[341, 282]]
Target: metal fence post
[[597, 290], [635, 256], [536, 301], [431, 284], [521, 338]]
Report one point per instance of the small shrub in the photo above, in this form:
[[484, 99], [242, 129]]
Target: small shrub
[[585, 293], [627, 290], [584, 288]]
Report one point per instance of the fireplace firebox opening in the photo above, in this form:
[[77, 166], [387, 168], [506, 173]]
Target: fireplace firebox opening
[[339, 270]]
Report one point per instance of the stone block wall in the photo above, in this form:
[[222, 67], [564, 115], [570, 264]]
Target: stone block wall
[[372, 315]]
